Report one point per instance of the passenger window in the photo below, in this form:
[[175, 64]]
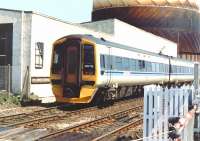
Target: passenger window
[[112, 63], [167, 68], [178, 69], [153, 67], [141, 65], [185, 71], [126, 64], [102, 61], [157, 67], [148, 66], [160, 67], [132, 64], [172, 69], [164, 68], [107, 62], [191, 70], [118, 63], [137, 65], [175, 69]]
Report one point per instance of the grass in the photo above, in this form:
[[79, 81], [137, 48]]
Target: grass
[[13, 99]]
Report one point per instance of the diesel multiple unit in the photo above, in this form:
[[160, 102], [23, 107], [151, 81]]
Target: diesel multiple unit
[[85, 68]]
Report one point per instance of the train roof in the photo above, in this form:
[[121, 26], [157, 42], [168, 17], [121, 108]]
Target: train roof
[[103, 41]]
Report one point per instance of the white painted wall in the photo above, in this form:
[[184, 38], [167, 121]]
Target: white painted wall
[[132, 36]]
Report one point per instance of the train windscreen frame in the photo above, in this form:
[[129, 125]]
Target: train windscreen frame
[[88, 60], [57, 60]]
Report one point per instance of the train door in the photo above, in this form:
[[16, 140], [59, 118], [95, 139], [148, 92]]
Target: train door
[[110, 66], [71, 66]]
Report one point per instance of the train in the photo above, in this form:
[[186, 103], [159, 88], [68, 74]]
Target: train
[[85, 69]]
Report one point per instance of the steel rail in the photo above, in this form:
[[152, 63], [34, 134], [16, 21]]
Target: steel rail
[[49, 118], [53, 117], [27, 114], [120, 130], [108, 118]]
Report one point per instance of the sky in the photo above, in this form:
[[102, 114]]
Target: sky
[[75, 11]]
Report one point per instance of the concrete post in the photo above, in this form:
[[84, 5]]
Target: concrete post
[[9, 80]]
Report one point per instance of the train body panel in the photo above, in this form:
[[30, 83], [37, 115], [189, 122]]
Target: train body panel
[[181, 75], [134, 79], [84, 67]]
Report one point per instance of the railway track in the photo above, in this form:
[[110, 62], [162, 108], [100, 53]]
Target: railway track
[[49, 115], [45, 118], [121, 130], [98, 127], [23, 117]]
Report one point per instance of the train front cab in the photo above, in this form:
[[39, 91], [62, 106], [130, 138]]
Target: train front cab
[[73, 70]]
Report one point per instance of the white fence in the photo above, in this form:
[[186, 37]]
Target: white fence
[[162, 103]]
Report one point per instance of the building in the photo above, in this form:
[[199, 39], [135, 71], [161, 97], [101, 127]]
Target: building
[[175, 20], [26, 40], [132, 36]]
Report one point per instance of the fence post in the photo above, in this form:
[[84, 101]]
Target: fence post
[[196, 79], [9, 80], [26, 86]]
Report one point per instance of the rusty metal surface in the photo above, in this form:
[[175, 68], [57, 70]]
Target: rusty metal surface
[[188, 42], [99, 4], [178, 24]]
